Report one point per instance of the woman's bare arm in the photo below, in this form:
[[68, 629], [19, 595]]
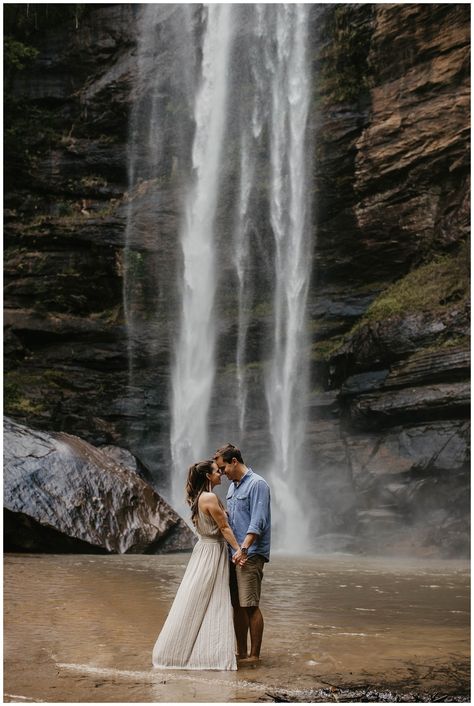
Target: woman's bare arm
[[209, 504]]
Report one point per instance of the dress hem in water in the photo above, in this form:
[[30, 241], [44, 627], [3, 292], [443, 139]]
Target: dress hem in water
[[193, 669]]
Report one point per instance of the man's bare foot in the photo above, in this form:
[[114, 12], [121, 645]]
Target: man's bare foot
[[251, 661]]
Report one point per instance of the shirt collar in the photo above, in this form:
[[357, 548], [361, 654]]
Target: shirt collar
[[247, 473]]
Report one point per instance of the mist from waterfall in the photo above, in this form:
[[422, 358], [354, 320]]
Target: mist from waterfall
[[236, 156]]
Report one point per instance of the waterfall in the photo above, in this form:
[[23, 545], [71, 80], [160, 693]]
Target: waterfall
[[251, 126], [193, 372], [157, 142], [219, 137], [241, 265], [287, 375]]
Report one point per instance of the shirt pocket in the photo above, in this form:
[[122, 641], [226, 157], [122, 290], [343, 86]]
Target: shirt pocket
[[242, 500]]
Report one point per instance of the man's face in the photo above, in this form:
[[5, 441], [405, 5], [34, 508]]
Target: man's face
[[229, 469]]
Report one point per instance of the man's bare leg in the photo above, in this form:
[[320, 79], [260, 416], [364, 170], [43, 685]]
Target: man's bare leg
[[241, 627], [255, 622], [255, 619]]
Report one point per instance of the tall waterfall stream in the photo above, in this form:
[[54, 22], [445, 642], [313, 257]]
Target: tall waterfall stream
[[236, 152]]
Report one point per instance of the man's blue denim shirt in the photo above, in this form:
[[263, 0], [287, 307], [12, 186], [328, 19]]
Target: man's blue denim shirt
[[248, 505]]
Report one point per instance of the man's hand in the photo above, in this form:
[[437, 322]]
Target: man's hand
[[239, 558]]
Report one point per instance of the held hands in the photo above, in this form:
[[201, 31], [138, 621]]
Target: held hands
[[239, 558]]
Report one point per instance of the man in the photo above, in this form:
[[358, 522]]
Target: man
[[248, 507]]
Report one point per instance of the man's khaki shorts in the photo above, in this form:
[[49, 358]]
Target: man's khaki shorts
[[246, 582]]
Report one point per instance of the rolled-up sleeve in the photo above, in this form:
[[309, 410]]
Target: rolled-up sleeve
[[259, 508]]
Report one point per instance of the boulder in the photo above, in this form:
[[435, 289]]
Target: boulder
[[61, 494], [127, 460]]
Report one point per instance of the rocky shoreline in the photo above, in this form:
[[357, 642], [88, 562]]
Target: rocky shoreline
[[367, 694]]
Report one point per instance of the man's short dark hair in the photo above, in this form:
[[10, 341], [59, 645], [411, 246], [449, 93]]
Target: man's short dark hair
[[228, 452]]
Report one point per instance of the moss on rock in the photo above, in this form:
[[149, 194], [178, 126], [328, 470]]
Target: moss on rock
[[322, 351], [430, 287], [28, 394]]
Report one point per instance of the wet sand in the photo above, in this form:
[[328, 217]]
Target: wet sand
[[81, 628]]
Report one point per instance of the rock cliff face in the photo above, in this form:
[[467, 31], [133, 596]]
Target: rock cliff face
[[389, 300], [66, 349], [393, 221]]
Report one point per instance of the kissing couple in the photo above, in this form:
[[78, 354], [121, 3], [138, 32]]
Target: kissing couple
[[220, 590]]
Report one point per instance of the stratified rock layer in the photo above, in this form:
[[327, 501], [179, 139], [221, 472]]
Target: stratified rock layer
[[63, 494], [390, 433]]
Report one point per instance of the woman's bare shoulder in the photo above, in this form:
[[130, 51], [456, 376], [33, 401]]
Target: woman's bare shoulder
[[207, 498]]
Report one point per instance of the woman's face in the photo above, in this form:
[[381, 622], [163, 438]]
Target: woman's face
[[214, 476]]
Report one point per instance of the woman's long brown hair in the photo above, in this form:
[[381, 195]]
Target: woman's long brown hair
[[197, 482]]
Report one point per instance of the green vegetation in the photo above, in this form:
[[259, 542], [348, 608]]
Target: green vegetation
[[32, 393], [429, 288], [29, 129], [322, 351], [29, 132], [17, 55], [22, 390], [26, 127], [455, 342]]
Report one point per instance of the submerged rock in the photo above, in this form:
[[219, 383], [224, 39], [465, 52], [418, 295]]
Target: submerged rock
[[61, 494]]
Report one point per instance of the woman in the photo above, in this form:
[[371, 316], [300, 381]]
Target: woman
[[198, 632]]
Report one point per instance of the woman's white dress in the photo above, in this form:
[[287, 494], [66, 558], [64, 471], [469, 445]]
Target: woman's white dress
[[198, 632]]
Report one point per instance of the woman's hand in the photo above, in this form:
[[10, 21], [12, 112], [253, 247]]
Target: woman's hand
[[239, 558]]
